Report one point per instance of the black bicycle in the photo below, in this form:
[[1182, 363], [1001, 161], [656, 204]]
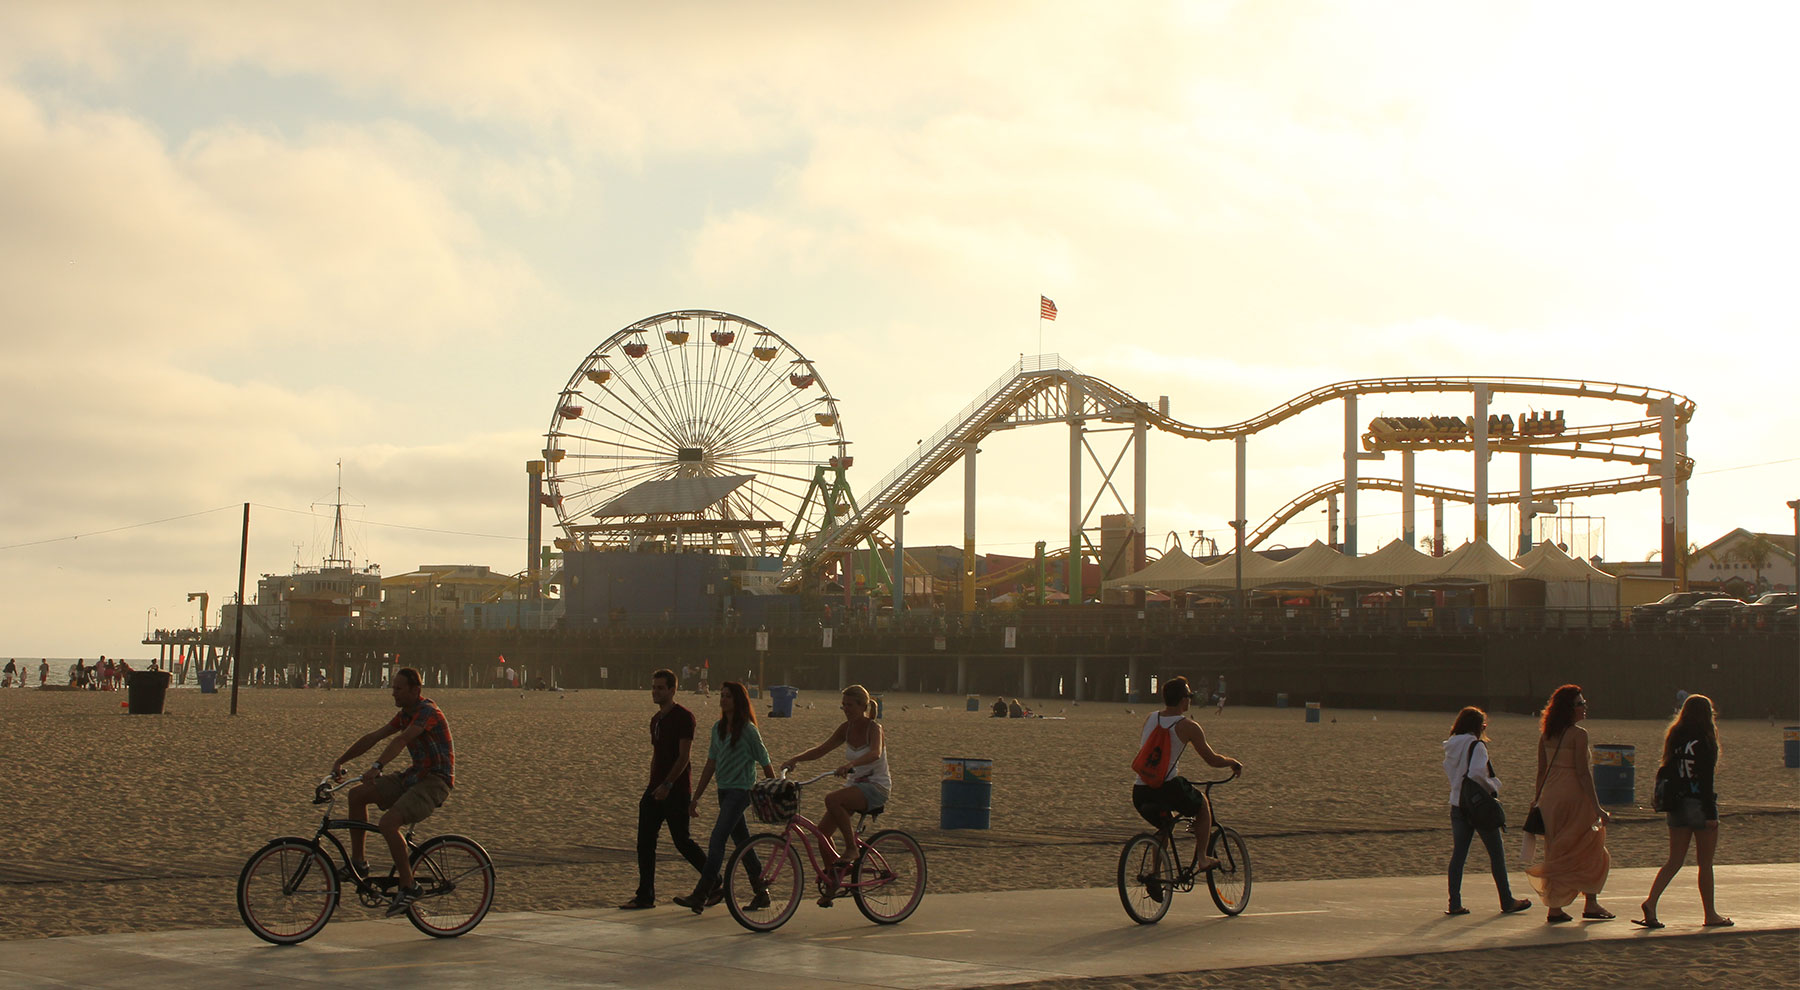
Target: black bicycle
[[290, 887], [1151, 871]]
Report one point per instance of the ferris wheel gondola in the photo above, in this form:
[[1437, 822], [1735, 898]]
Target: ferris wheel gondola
[[694, 394]]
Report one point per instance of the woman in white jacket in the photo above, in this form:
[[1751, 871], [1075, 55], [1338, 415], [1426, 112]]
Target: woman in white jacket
[[1466, 754]]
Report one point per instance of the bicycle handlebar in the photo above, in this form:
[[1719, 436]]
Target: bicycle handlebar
[[327, 788], [810, 780]]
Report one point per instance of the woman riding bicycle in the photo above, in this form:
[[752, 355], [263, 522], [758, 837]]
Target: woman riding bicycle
[[1162, 795], [865, 767]]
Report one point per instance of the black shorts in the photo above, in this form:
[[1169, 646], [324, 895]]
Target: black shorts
[[1160, 805]]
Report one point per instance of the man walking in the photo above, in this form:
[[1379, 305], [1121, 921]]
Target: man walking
[[666, 795]]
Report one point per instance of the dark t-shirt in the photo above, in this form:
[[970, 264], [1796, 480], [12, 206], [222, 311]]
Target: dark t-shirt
[[667, 730]]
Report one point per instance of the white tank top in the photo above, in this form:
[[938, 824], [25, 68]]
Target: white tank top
[[1175, 743], [873, 773]]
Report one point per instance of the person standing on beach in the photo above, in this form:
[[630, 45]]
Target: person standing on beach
[[1691, 748], [735, 749], [1575, 857], [1220, 695], [665, 798], [406, 798], [1163, 795], [1466, 755], [43, 671]]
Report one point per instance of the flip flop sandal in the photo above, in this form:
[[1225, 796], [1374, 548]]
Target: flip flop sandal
[[1598, 915], [1721, 923], [1652, 925], [1558, 919]]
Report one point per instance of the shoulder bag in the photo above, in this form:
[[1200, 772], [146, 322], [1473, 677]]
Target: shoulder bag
[[1479, 807], [1534, 822]]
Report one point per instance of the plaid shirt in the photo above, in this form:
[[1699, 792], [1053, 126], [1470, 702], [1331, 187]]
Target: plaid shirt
[[431, 751]]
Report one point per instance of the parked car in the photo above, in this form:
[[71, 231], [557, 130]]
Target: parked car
[[1709, 613], [1644, 616], [1758, 613], [1786, 619]]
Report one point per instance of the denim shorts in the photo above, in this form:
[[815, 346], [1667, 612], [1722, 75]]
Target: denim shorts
[[874, 793]]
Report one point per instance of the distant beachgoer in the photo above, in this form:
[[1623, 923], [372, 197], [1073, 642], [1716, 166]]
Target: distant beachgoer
[[1681, 697], [1575, 856], [6, 676], [998, 709], [865, 771], [665, 799], [1220, 695], [1160, 799], [407, 798], [43, 671], [1466, 754], [1016, 710], [734, 750], [1691, 747]]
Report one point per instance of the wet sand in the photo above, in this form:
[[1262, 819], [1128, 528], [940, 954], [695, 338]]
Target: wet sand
[[131, 823]]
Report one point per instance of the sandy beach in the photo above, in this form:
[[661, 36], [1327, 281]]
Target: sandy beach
[[129, 823]]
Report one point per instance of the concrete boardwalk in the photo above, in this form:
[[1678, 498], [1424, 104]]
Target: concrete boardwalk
[[953, 940]]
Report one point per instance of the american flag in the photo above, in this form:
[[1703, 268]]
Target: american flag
[[1046, 308]]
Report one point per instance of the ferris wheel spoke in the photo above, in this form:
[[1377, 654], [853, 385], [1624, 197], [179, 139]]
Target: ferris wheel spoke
[[752, 420], [629, 418], [637, 423], [646, 401], [794, 423], [650, 395], [802, 430], [612, 444]]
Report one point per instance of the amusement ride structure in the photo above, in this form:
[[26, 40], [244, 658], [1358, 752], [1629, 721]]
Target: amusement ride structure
[[707, 431]]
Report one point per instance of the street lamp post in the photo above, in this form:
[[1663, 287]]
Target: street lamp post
[[147, 616]]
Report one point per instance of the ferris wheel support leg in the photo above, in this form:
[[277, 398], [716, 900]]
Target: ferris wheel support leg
[[968, 568], [1074, 404]]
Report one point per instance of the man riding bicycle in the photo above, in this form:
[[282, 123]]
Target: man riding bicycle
[[1159, 795], [409, 797]]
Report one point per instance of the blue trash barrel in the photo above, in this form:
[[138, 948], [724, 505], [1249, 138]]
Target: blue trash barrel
[[209, 682], [782, 696], [1790, 746], [963, 800], [1281, 699], [1615, 774], [879, 707], [973, 704], [1312, 711]]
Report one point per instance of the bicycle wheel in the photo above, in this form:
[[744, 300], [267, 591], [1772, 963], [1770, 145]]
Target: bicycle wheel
[[1146, 882], [458, 878], [762, 898], [287, 891], [889, 877], [1229, 883]]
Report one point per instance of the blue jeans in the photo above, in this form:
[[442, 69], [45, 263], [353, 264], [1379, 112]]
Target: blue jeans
[[730, 824], [1461, 832]]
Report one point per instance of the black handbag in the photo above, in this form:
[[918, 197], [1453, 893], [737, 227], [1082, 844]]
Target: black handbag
[[1534, 822], [1661, 798], [1479, 808]]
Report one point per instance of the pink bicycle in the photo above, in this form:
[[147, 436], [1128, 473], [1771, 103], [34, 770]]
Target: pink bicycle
[[764, 881]]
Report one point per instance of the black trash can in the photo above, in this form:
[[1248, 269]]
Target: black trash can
[[144, 691]]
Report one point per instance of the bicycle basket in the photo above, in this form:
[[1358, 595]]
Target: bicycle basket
[[775, 801]]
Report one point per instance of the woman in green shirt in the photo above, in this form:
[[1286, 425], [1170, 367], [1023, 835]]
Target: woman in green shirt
[[735, 751]]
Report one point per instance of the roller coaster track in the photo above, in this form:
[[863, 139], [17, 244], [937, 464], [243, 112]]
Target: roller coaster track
[[1028, 395], [1550, 494]]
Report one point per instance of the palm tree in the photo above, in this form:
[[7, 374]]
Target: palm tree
[[1756, 552]]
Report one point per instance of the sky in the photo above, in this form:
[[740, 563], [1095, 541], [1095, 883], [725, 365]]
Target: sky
[[243, 243]]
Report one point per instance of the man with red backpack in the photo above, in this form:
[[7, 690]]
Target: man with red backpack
[[1159, 794]]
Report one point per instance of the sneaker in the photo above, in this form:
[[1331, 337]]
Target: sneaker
[[693, 902], [1154, 887], [404, 898], [717, 897], [352, 872], [760, 901]]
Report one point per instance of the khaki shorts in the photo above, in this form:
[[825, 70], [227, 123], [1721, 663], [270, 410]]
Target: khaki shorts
[[415, 803]]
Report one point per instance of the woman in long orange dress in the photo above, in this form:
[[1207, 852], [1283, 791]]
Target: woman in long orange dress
[[1575, 857]]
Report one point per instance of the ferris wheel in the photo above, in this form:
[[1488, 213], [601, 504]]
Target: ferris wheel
[[693, 394]]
